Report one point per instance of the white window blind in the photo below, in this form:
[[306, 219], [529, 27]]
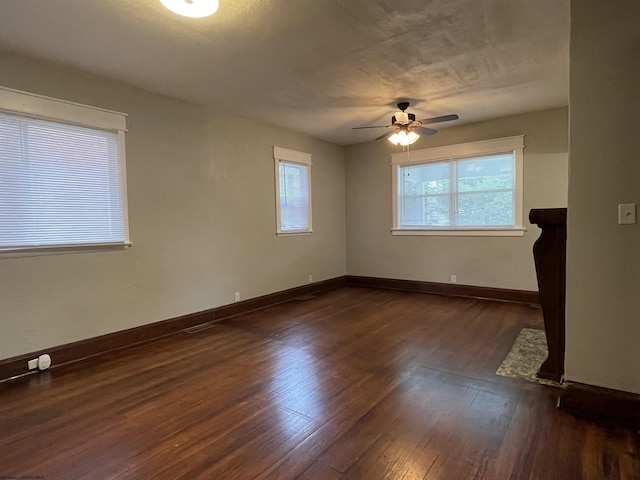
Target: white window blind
[[294, 196], [61, 185], [293, 189]]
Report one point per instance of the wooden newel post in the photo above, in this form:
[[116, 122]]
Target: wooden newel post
[[549, 253]]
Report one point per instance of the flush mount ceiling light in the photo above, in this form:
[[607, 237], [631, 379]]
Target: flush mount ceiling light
[[192, 8]]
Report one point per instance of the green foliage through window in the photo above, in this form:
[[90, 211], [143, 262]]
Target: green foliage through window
[[469, 192]]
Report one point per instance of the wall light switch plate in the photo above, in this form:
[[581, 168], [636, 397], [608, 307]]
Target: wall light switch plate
[[627, 214]]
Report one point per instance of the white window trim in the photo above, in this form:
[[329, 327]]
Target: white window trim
[[62, 111], [513, 144], [47, 108], [291, 156]]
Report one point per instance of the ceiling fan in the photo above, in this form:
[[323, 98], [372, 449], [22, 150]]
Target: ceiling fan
[[406, 129]]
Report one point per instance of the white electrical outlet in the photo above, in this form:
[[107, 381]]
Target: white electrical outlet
[[44, 362], [237, 296], [33, 364], [454, 279], [310, 278], [626, 214]]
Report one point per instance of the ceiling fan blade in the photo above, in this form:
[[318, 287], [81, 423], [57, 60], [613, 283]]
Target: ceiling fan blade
[[388, 134], [425, 130], [377, 126], [443, 118]]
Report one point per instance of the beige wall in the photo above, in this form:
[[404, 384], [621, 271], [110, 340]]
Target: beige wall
[[603, 258], [503, 262], [202, 220], [202, 212]]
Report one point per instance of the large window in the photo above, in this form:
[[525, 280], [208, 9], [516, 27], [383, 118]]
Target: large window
[[468, 189], [62, 175], [293, 191]]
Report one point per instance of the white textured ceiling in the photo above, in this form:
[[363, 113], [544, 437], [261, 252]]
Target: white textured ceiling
[[315, 66]]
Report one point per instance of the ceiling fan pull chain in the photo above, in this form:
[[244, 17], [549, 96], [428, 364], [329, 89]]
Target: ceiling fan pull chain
[[405, 149]]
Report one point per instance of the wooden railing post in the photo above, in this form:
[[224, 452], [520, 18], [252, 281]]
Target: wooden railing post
[[549, 253]]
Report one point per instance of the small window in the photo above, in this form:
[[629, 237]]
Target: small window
[[467, 189], [62, 175], [293, 191]]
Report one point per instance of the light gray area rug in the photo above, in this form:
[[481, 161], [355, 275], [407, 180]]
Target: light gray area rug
[[526, 356]]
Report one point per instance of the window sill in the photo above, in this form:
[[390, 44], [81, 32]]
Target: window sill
[[294, 234], [460, 232], [61, 249]]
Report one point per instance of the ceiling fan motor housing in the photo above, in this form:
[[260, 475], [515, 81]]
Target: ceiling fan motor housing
[[403, 118]]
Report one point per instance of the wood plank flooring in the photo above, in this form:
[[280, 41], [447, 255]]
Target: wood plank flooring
[[352, 384]]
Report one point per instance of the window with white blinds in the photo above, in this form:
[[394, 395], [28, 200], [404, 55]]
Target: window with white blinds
[[62, 183], [293, 191], [473, 188]]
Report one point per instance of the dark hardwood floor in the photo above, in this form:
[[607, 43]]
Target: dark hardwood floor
[[353, 384]]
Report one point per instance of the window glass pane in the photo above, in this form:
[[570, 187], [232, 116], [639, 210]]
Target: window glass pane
[[460, 192], [425, 194], [492, 172], [425, 210], [411, 211], [294, 196], [437, 211], [489, 209], [427, 178], [60, 184]]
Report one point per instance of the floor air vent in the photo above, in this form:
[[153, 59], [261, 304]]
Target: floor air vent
[[302, 298], [199, 328]]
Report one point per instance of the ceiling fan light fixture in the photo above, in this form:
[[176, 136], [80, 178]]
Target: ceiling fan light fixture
[[404, 138], [405, 124], [192, 8]]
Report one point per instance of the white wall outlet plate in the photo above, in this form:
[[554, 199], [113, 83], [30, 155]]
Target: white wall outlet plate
[[44, 362], [237, 296], [627, 214]]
